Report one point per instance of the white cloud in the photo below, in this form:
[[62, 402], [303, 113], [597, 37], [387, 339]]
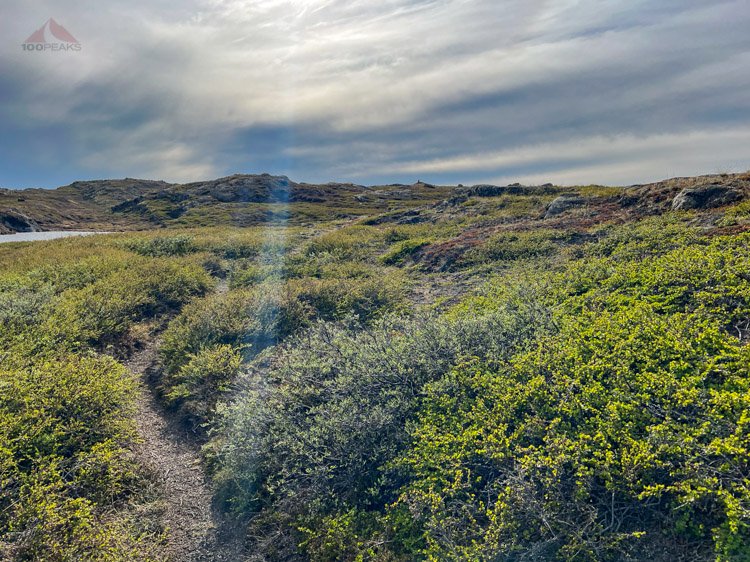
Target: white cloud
[[688, 147], [378, 86]]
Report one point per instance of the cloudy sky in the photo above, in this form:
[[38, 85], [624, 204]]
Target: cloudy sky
[[567, 91]]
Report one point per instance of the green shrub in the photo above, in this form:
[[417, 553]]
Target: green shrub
[[401, 251], [65, 426], [710, 278], [649, 237], [333, 298], [624, 436], [516, 245], [27, 299], [252, 244], [311, 440], [345, 243], [328, 266], [198, 384], [738, 214], [78, 273], [102, 312], [246, 275], [162, 246], [21, 309], [256, 318]]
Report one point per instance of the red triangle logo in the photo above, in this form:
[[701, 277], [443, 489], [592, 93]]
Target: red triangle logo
[[37, 36], [60, 32], [57, 31]]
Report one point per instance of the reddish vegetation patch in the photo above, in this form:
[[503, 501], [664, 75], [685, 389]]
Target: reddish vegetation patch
[[443, 255], [635, 202], [729, 230], [597, 211]]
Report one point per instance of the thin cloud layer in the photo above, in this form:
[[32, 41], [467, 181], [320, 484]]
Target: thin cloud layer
[[447, 90]]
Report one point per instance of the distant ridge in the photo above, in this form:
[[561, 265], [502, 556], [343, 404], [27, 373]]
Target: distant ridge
[[250, 199]]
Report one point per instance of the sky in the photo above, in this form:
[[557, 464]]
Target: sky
[[447, 91]]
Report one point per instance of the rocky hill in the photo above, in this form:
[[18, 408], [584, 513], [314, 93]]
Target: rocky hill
[[246, 200]]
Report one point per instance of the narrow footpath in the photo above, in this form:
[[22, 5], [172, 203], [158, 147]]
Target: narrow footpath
[[195, 530]]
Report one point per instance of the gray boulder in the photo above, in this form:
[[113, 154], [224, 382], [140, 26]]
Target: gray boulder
[[706, 197], [564, 203]]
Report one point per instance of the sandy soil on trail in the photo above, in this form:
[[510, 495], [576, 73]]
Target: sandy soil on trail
[[195, 532]]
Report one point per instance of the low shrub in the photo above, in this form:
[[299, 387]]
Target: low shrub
[[706, 277], [102, 312], [365, 297], [345, 243], [21, 309], [515, 245], [401, 251], [65, 426], [603, 444], [162, 246], [255, 318], [197, 386], [312, 439]]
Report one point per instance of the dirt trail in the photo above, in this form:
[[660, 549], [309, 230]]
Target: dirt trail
[[196, 532]]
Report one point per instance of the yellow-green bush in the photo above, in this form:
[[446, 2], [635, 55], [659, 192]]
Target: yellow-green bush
[[400, 251], [161, 246], [365, 297], [65, 428], [255, 317], [103, 311], [349, 242], [210, 330], [626, 435], [198, 384], [515, 245]]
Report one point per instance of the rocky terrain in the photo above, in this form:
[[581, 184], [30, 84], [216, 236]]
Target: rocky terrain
[[246, 200], [239, 200]]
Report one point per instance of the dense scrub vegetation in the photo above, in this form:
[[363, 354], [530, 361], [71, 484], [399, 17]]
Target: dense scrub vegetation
[[70, 484], [595, 412], [485, 384]]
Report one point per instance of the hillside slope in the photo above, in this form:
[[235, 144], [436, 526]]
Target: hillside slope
[[246, 200], [397, 373], [238, 200]]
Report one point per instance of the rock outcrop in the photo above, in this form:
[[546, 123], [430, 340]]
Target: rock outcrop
[[13, 221], [564, 203], [247, 188], [706, 197]]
